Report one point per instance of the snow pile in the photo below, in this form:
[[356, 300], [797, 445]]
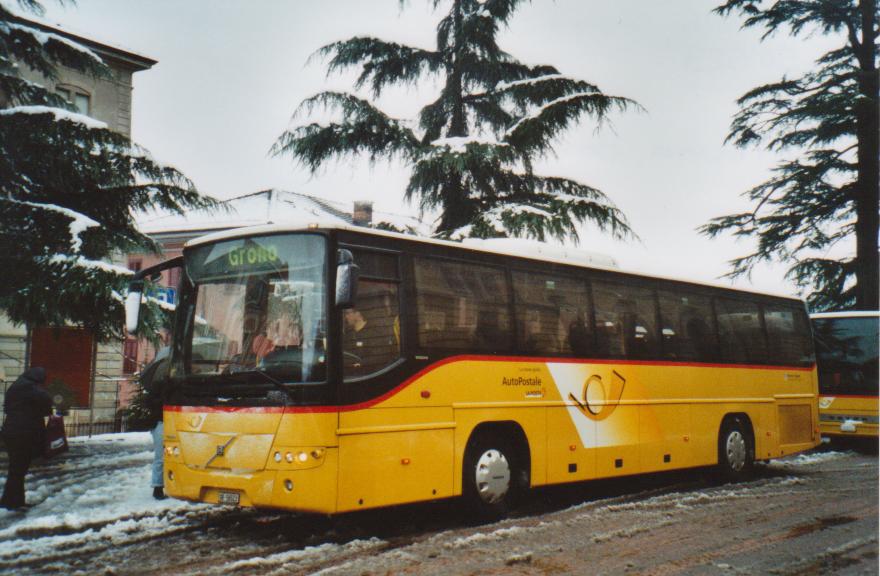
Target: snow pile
[[806, 459]]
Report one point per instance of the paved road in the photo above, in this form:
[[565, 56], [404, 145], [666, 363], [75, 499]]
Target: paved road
[[803, 515]]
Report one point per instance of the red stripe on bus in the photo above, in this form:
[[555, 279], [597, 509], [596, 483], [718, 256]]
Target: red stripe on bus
[[848, 396], [226, 409], [463, 358]]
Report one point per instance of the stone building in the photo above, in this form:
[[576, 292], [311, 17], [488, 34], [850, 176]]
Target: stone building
[[90, 371]]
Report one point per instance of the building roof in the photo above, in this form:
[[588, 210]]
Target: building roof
[[270, 206], [132, 59]]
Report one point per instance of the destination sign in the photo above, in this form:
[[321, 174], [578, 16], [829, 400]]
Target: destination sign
[[252, 255], [255, 255]]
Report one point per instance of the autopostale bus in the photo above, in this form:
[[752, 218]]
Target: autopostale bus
[[847, 360], [460, 371]]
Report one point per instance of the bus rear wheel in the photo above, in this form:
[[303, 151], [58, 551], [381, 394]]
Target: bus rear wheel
[[736, 450], [491, 472]]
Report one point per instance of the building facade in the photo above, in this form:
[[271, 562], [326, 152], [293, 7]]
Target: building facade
[[90, 372]]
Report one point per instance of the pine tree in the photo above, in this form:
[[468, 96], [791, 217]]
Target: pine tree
[[69, 188], [472, 150], [827, 192]]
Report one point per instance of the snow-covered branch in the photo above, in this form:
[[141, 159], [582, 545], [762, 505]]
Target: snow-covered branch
[[79, 222], [58, 113]]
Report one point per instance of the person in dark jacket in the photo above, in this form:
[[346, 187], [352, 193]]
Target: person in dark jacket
[[24, 431], [152, 380]]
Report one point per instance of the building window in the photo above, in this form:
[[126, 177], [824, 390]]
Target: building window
[[129, 356], [78, 97], [135, 265]]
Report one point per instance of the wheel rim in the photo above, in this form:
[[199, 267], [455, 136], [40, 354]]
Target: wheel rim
[[736, 450], [492, 476]]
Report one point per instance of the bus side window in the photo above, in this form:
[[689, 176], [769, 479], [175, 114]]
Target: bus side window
[[371, 329], [625, 320], [788, 335], [370, 340], [551, 314], [686, 326], [472, 301], [740, 333]]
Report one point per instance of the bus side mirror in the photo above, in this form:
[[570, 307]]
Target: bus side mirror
[[347, 273], [133, 305]]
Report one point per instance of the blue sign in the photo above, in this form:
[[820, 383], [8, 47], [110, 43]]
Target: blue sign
[[165, 294]]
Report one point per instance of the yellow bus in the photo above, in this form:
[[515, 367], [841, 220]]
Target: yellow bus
[[331, 368], [846, 356]]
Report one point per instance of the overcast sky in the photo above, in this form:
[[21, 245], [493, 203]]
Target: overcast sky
[[231, 73]]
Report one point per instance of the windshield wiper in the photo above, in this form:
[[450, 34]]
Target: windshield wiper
[[274, 382]]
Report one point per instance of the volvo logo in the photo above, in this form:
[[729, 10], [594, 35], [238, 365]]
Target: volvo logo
[[219, 451]]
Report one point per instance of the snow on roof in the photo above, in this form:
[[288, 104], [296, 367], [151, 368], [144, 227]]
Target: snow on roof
[[267, 207], [536, 249], [44, 37], [847, 314], [86, 41]]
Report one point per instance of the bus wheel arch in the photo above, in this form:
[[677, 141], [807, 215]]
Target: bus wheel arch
[[496, 468], [736, 446]]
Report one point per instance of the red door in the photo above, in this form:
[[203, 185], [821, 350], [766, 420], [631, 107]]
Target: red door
[[66, 354]]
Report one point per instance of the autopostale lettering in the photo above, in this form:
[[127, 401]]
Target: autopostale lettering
[[521, 381]]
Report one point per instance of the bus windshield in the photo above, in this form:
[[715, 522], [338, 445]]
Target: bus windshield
[[846, 353], [259, 305]]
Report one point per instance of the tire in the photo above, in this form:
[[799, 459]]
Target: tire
[[736, 450], [493, 476]]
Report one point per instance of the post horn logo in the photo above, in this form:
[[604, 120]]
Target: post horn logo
[[599, 399]]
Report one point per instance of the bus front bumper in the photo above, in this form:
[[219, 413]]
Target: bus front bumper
[[310, 489], [848, 425]]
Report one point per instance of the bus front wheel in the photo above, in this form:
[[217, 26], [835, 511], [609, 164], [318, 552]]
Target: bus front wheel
[[491, 470], [736, 450]]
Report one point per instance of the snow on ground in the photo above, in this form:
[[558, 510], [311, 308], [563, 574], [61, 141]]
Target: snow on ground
[[806, 459], [93, 506], [304, 557], [95, 496]]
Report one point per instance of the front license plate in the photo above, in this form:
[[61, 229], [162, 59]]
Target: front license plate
[[229, 498]]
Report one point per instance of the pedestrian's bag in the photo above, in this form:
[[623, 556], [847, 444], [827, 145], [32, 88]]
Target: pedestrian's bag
[[56, 439]]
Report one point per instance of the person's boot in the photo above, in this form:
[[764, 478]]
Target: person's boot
[[158, 493]]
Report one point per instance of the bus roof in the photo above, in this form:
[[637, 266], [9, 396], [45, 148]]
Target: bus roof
[[847, 314], [510, 250]]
